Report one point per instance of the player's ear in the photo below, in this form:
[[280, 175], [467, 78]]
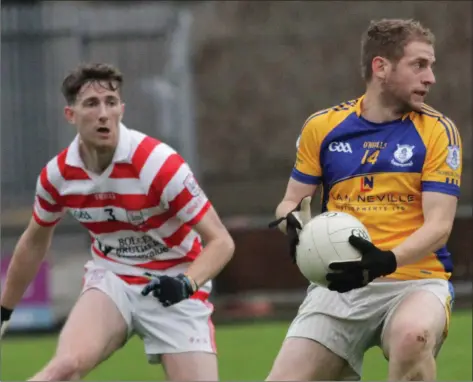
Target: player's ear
[[69, 114], [379, 66]]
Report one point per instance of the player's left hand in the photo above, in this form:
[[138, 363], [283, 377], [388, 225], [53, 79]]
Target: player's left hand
[[170, 290], [293, 223], [353, 274]]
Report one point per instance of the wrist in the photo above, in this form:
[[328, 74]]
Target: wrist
[[282, 212], [284, 208], [5, 313], [399, 256], [391, 263], [193, 286]]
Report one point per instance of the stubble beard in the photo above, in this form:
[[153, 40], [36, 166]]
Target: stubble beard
[[392, 99]]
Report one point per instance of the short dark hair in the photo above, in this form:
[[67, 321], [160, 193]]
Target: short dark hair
[[106, 74], [388, 38]]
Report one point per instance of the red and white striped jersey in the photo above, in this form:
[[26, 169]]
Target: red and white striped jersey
[[140, 211]]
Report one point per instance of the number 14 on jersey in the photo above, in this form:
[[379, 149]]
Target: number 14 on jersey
[[370, 156]]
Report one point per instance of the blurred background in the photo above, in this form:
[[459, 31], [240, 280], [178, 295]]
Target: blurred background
[[229, 85]]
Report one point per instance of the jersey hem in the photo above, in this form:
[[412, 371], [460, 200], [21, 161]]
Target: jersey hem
[[406, 276]]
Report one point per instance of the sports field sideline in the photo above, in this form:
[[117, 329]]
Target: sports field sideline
[[246, 353]]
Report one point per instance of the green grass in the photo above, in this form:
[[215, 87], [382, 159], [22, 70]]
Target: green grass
[[246, 352]]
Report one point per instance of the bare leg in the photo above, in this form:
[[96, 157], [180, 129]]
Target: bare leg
[[302, 359], [413, 336], [191, 366], [94, 330]]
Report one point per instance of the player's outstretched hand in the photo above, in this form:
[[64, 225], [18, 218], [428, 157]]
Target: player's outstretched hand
[[353, 274], [170, 290], [292, 224]]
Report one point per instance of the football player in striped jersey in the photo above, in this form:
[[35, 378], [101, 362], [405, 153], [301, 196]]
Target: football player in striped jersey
[[148, 217]]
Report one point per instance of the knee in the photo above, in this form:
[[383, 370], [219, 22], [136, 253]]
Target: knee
[[411, 343]]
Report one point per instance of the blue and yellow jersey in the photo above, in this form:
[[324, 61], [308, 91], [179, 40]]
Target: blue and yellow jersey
[[378, 171]]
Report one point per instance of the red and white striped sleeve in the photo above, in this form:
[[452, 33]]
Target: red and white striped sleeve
[[185, 196], [176, 188], [47, 209]]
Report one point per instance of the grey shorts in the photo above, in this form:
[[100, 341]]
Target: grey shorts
[[349, 324]]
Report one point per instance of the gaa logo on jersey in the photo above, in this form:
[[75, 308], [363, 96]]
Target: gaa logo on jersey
[[81, 215], [453, 157], [190, 183], [340, 147]]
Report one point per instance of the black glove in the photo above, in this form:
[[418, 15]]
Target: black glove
[[294, 221], [355, 274], [5, 315], [170, 290]]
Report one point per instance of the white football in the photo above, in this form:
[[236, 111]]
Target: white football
[[325, 239]]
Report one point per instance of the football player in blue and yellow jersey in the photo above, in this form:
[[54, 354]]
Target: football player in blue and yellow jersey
[[395, 163]]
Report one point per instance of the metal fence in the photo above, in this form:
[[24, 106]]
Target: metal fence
[[41, 42]]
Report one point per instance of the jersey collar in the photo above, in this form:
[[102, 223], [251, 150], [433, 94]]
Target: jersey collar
[[122, 152], [359, 104]]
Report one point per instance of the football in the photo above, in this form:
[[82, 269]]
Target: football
[[325, 239]]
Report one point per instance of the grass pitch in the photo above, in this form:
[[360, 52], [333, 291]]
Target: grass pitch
[[246, 352]]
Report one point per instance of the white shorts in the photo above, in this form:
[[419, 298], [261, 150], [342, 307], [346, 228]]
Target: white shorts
[[350, 323], [183, 327]]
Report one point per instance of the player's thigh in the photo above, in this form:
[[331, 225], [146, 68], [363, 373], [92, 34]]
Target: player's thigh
[[191, 366], [98, 324], [183, 328], [336, 329], [419, 320], [303, 359]]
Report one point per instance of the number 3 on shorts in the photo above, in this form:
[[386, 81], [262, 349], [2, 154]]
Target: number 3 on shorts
[[111, 215]]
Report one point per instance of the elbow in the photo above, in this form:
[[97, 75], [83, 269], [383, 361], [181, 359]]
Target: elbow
[[226, 247], [444, 238], [229, 247], [443, 232], [219, 245]]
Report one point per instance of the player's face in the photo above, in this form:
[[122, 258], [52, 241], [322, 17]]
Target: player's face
[[409, 81], [97, 113]]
